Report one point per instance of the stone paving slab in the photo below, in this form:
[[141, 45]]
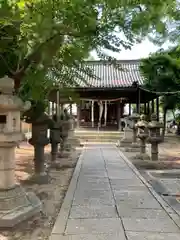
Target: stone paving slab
[[88, 196], [150, 225], [94, 201], [93, 226], [119, 174], [101, 211], [118, 184], [94, 174], [101, 236], [141, 213], [109, 200], [131, 195], [152, 236], [95, 185]]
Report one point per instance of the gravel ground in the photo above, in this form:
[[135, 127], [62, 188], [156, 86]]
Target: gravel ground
[[51, 195]]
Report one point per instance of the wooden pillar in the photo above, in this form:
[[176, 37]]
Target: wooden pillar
[[119, 115], [49, 108], [58, 104], [145, 110], [129, 109], [92, 113], [78, 114], [53, 108], [152, 105], [157, 108], [71, 109], [148, 108], [138, 101]]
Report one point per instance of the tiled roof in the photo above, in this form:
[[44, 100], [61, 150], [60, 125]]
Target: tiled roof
[[111, 76]]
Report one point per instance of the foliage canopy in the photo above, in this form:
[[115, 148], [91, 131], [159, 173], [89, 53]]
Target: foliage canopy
[[45, 40]]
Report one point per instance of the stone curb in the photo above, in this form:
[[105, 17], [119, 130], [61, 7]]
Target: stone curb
[[173, 215], [61, 221]]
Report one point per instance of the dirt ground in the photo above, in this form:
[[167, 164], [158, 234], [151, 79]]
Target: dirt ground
[[51, 195]]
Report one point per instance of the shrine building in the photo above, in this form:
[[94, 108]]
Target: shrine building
[[104, 95]]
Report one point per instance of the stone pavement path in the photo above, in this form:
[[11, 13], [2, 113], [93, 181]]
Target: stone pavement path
[[106, 200]]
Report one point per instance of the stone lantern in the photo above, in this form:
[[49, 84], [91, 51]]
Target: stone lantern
[[55, 139], [134, 118], [71, 141], [39, 140], [64, 131], [134, 147], [15, 204], [127, 138], [142, 134], [155, 136]]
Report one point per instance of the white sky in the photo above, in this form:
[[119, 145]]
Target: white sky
[[138, 51]]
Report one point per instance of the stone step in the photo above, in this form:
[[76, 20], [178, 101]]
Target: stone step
[[98, 138], [95, 133]]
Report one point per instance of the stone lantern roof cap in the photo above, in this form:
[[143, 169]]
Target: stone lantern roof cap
[[134, 116], [154, 123], [142, 123], [6, 85]]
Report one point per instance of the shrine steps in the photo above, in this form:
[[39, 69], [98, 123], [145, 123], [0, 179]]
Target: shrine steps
[[98, 136]]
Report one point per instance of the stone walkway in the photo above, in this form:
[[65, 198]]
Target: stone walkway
[[108, 200]]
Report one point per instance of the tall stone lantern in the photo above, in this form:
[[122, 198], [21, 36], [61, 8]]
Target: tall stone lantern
[[64, 131], [15, 204], [134, 147], [134, 118], [142, 134], [55, 139], [155, 136]]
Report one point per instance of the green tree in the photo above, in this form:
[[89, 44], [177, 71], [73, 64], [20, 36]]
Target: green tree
[[162, 74], [43, 36]]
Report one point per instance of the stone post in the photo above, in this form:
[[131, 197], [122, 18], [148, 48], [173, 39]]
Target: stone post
[[15, 204], [155, 136], [142, 135]]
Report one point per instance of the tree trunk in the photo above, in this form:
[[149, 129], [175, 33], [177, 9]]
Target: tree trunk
[[164, 121]]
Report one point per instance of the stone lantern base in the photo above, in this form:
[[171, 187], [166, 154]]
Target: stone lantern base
[[127, 138], [16, 206], [142, 156], [131, 149], [124, 142]]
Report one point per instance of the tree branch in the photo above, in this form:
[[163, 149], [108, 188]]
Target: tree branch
[[12, 72]]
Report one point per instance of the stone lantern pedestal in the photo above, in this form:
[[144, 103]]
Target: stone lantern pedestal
[[39, 140], [134, 146], [155, 136], [127, 138], [73, 142], [15, 204], [54, 140], [142, 134], [64, 146]]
